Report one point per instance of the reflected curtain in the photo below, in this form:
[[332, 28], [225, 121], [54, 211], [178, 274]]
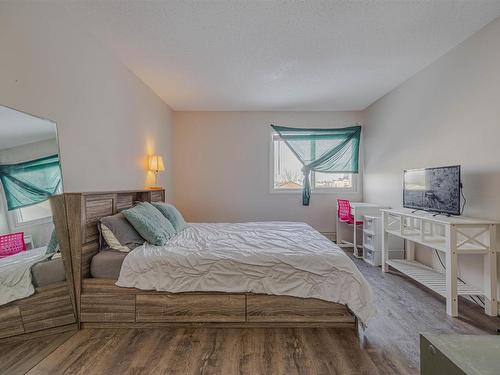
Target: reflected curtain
[[30, 182], [322, 150]]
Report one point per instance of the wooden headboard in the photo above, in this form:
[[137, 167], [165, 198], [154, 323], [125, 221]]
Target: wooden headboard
[[83, 211]]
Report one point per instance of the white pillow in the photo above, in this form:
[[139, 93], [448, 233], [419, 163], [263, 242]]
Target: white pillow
[[112, 241]]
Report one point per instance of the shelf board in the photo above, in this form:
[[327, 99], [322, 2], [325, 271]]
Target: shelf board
[[369, 232], [437, 242], [430, 278]]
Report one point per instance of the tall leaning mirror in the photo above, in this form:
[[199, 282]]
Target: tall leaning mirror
[[36, 292]]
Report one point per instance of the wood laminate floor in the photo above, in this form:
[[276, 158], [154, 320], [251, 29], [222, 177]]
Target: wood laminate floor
[[20, 356], [389, 345]]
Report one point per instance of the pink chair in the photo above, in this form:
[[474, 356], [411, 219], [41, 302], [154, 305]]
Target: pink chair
[[11, 243], [344, 216]]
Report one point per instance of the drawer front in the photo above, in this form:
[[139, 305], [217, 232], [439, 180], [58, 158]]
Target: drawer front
[[368, 254], [191, 308], [11, 323], [49, 307], [368, 240], [107, 308], [263, 308], [368, 223]]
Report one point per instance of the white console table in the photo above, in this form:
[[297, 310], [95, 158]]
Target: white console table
[[452, 236]]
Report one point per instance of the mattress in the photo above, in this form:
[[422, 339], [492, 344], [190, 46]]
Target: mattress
[[279, 258], [48, 272], [15, 274], [107, 264]]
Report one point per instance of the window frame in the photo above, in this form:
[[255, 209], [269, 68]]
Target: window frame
[[314, 189], [17, 223], [14, 216]]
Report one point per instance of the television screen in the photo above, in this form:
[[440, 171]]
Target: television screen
[[433, 189]]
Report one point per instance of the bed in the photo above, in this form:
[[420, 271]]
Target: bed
[[15, 274], [231, 275], [21, 273]]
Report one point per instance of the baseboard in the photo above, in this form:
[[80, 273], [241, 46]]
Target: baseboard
[[332, 236]]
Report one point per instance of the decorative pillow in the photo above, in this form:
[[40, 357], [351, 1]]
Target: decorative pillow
[[111, 240], [150, 223], [53, 246], [172, 214], [121, 231]]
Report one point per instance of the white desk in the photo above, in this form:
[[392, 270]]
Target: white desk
[[451, 236], [358, 211]]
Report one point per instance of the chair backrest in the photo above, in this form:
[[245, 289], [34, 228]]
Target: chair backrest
[[11, 243], [344, 209]]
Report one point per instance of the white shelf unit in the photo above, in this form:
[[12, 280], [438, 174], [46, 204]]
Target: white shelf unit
[[432, 279], [452, 236], [372, 242]]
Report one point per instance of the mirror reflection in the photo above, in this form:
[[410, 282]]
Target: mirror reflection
[[32, 270]]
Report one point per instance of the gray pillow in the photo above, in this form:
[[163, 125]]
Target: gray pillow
[[150, 223], [123, 231]]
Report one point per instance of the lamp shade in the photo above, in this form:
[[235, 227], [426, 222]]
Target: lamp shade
[[156, 163]]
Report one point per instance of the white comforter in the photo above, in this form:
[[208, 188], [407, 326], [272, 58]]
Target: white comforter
[[281, 258], [15, 274]]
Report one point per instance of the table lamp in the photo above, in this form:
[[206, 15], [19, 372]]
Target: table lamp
[[156, 165]]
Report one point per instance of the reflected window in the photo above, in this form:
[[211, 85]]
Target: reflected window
[[36, 212]]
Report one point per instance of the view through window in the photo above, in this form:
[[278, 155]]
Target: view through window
[[287, 170]]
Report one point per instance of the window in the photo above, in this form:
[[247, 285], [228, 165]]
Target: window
[[36, 212], [287, 171]]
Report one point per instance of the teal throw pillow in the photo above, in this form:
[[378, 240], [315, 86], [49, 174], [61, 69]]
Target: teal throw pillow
[[172, 214], [150, 223]]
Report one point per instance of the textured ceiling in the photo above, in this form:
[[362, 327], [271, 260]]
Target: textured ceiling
[[279, 55]]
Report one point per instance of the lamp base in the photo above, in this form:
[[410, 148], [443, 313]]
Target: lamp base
[[155, 188]]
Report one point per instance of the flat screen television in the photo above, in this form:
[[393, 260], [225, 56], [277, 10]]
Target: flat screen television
[[433, 189]]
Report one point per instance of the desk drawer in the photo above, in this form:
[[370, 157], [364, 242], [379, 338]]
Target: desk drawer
[[374, 257], [371, 224]]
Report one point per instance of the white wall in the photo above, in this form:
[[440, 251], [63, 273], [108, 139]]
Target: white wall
[[221, 167], [107, 119], [447, 114]]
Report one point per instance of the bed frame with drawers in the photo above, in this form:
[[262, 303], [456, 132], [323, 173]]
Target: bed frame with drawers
[[51, 309], [100, 303]]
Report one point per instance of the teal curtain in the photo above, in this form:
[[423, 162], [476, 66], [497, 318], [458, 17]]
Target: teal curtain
[[322, 150], [30, 182]]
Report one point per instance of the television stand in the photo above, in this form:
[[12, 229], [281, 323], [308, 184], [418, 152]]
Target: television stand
[[440, 214], [453, 236]]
